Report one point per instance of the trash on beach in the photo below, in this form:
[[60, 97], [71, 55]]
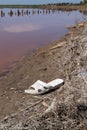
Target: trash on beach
[[40, 87], [83, 75]]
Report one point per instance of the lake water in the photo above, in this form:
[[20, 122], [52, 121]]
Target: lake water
[[23, 30]]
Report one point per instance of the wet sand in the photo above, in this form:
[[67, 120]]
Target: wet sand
[[66, 59]]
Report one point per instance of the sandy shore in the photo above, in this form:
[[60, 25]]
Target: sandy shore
[[66, 59]]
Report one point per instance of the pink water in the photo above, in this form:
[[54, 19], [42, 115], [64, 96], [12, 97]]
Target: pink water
[[23, 30]]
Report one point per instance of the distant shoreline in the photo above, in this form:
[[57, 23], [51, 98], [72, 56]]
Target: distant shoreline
[[64, 7]]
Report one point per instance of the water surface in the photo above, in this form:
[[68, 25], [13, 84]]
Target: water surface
[[22, 30]]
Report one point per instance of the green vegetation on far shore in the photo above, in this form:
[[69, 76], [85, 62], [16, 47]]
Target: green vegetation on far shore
[[43, 5], [83, 2]]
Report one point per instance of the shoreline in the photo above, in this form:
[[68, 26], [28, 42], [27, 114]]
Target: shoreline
[[64, 59], [13, 65], [66, 7]]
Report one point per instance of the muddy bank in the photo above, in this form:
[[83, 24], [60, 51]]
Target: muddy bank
[[66, 59]]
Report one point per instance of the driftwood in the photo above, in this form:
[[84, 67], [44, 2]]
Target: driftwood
[[58, 45]]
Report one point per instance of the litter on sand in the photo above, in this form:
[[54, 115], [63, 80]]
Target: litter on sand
[[40, 87]]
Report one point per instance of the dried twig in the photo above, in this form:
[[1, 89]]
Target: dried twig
[[34, 104], [52, 106]]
